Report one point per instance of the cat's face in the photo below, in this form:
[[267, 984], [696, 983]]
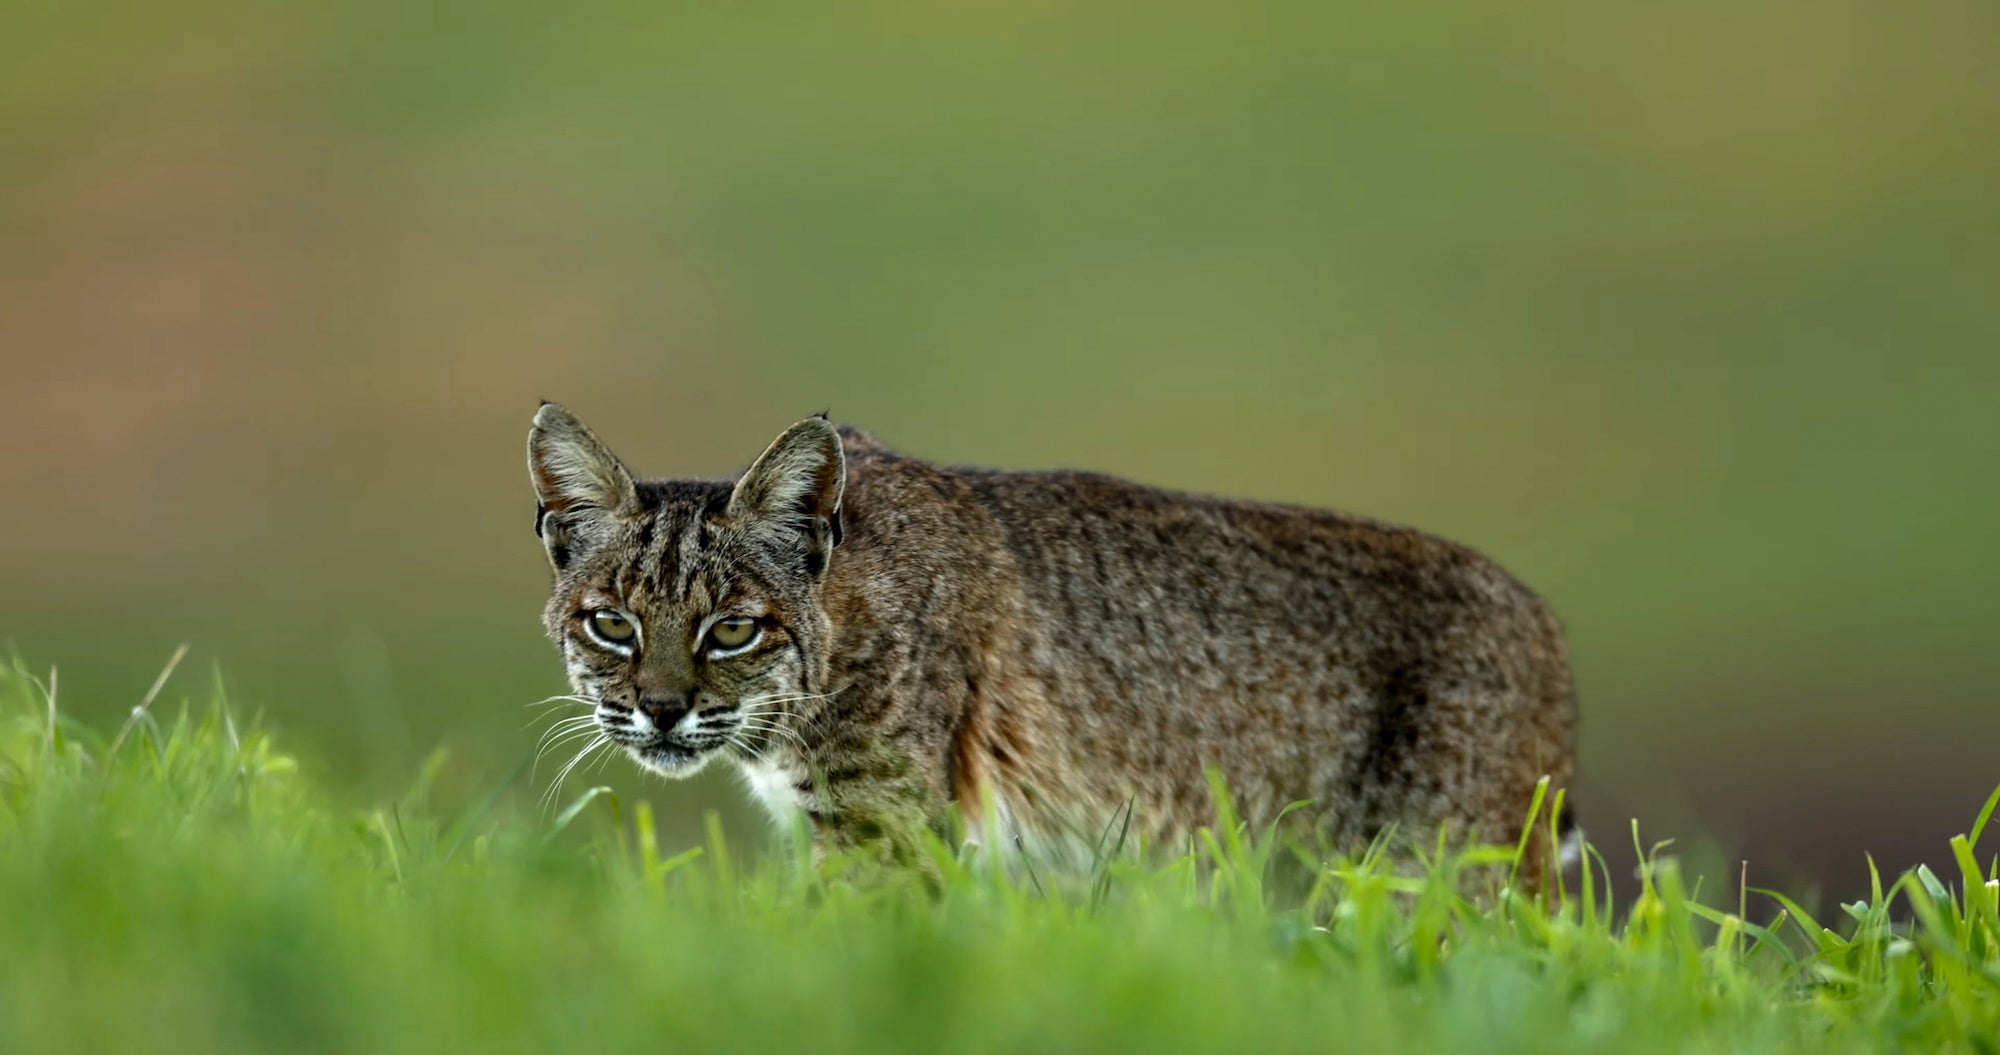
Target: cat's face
[[687, 613]]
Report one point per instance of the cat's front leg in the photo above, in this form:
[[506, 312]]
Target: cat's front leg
[[877, 806]]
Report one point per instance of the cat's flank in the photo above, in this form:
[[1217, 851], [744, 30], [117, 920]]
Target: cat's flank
[[874, 641]]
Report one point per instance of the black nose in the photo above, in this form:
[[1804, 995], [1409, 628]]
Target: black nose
[[664, 711]]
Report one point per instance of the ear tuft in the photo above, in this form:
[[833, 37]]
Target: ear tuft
[[794, 489], [572, 469]]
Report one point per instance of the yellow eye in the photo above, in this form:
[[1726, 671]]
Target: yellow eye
[[612, 627], [728, 634]]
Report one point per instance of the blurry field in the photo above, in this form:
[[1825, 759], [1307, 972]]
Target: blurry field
[[178, 884], [1686, 313]]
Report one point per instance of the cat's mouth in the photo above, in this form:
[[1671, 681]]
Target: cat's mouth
[[673, 757], [671, 754], [677, 752]]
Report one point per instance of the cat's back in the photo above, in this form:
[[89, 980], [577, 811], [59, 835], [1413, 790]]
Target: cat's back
[[1194, 594], [1108, 551]]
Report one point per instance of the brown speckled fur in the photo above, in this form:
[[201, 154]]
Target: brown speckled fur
[[1064, 642]]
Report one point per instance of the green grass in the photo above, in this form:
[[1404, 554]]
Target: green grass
[[182, 884]]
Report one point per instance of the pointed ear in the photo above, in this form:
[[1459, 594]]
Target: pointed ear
[[794, 489], [577, 480]]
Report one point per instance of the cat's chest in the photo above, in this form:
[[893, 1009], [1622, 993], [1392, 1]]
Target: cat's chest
[[775, 784]]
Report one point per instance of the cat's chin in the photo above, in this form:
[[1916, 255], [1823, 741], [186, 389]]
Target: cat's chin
[[670, 760]]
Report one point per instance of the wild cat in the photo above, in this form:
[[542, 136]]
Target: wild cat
[[881, 644]]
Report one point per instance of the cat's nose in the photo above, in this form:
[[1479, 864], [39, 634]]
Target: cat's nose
[[664, 711]]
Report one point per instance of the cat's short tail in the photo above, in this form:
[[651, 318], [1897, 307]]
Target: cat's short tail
[[1569, 844]]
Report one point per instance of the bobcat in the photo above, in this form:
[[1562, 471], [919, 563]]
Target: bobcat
[[875, 641]]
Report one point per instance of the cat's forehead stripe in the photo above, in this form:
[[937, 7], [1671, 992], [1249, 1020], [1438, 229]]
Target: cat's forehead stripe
[[690, 561], [655, 552]]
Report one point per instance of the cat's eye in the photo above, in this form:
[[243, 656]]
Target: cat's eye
[[728, 635], [612, 627]]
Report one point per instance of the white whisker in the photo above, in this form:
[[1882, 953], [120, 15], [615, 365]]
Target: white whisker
[[765, 716], [740, 744], [549, 796], [549, 744], [559, 720], [767, 729], [568, 737], [582, 701], [566, 725], [603, 760]]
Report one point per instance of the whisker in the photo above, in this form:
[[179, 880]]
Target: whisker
[[603, 760], [788, 697], [743, 745], [567, 724], [568, 737], [547, 744], [759, 721], [771, 736], [555, 786], [767, 729], [559, 720], [770, 707], [585, 701], [765, 713]]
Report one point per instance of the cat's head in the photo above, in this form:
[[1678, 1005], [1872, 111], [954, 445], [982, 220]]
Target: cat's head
[[688, 612]]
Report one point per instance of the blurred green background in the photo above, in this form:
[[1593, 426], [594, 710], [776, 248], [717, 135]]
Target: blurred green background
[[1686, 313]]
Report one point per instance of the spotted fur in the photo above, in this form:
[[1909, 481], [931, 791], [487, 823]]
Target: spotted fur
[[1045, 650]]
